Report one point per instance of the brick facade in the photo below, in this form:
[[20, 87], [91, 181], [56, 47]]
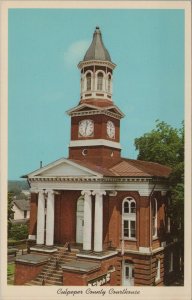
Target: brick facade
[[26, 272]]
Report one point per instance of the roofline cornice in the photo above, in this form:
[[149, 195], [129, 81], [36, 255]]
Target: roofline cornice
[[96, 112], [106, 179], [88, 63]]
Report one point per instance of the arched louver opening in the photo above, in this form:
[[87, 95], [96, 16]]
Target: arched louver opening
[[109, 84], [88, 81], [100, 81]]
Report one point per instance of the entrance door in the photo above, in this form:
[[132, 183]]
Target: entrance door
[[128, 274], [80, 220]]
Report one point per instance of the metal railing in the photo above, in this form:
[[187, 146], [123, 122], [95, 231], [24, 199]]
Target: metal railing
[[56, 264]]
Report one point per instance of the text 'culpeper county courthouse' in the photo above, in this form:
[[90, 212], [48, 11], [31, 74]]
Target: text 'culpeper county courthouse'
[[98, 218]]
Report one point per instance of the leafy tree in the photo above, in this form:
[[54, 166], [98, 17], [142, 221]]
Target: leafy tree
[[10, 212], [165, 145], [19, 231]]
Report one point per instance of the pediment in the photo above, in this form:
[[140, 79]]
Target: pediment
[[82, 107], [88, 107], [64, 168]]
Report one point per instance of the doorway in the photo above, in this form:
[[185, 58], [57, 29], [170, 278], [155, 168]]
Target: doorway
[[128, 273]]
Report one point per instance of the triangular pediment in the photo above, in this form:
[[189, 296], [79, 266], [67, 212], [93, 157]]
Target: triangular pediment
[[88, 107], [115, 110], [64, 168], [82, 107]]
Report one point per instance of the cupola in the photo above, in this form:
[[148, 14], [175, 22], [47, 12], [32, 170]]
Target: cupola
[[96, 72]]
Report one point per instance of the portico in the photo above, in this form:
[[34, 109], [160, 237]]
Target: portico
[[45, 225]]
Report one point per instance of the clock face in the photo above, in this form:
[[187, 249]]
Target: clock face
[[86, 128], [110, 130]]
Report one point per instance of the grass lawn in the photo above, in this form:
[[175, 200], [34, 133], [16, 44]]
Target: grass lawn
[[10, 273]]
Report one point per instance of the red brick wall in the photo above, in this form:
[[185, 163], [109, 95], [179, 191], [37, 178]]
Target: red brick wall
[[96, 154], [115, 219], [100, 125], [72, 278], [65, 216], [33, 214], [145, 270], [161, 224], [25, 272], [144, 225]]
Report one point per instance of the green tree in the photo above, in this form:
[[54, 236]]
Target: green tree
[[19, 231], [10, 212], [165, 145]]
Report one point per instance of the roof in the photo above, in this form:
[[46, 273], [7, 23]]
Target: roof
[[96, 105], [97, 50], [121, 167], [129, 168], [22, 204]]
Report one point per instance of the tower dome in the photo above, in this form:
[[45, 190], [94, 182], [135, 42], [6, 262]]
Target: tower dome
[[97, 50], [96, 72]]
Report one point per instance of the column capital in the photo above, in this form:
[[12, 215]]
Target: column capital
[[99, 193], [86, 192], [37, 191], [50, 192]]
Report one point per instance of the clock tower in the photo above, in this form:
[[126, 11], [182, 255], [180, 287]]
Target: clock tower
[[95, 121]]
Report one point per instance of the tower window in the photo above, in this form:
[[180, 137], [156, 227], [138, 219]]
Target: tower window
[[100, 82], [88, 78], [109, 84]]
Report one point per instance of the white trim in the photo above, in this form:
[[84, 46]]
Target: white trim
[[32, 237], [144, 249], [70, 183], [154, 217], [158, 274], [95, 142], [78, 108], [163, 244], [96, 63], [60, 161], [99, 257], [46, 250]]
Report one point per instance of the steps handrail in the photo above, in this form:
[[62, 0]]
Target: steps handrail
[[57, 259]]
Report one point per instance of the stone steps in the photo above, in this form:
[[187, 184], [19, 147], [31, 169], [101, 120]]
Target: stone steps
[[52, 274]]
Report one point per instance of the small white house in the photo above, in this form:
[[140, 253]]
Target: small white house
[[21, 210]]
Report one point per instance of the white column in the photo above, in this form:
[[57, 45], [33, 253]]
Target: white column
[[87, 220], [98, 232], [41, 218], [50, 218]]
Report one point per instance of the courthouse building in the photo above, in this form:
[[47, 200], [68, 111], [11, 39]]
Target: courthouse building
[[97, 218]]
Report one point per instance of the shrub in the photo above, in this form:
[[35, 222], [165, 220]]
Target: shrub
[[19, 231]]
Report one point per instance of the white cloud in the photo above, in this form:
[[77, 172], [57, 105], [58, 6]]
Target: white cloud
[[75, 52]]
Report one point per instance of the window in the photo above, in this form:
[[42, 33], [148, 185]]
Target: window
[[109, 84], [154, 217], [170, 261], [158, 269], [100, 81], [129, 218], [25, 214], [88, 78]]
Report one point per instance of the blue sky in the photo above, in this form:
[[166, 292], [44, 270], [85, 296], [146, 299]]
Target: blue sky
[[45, 46]]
